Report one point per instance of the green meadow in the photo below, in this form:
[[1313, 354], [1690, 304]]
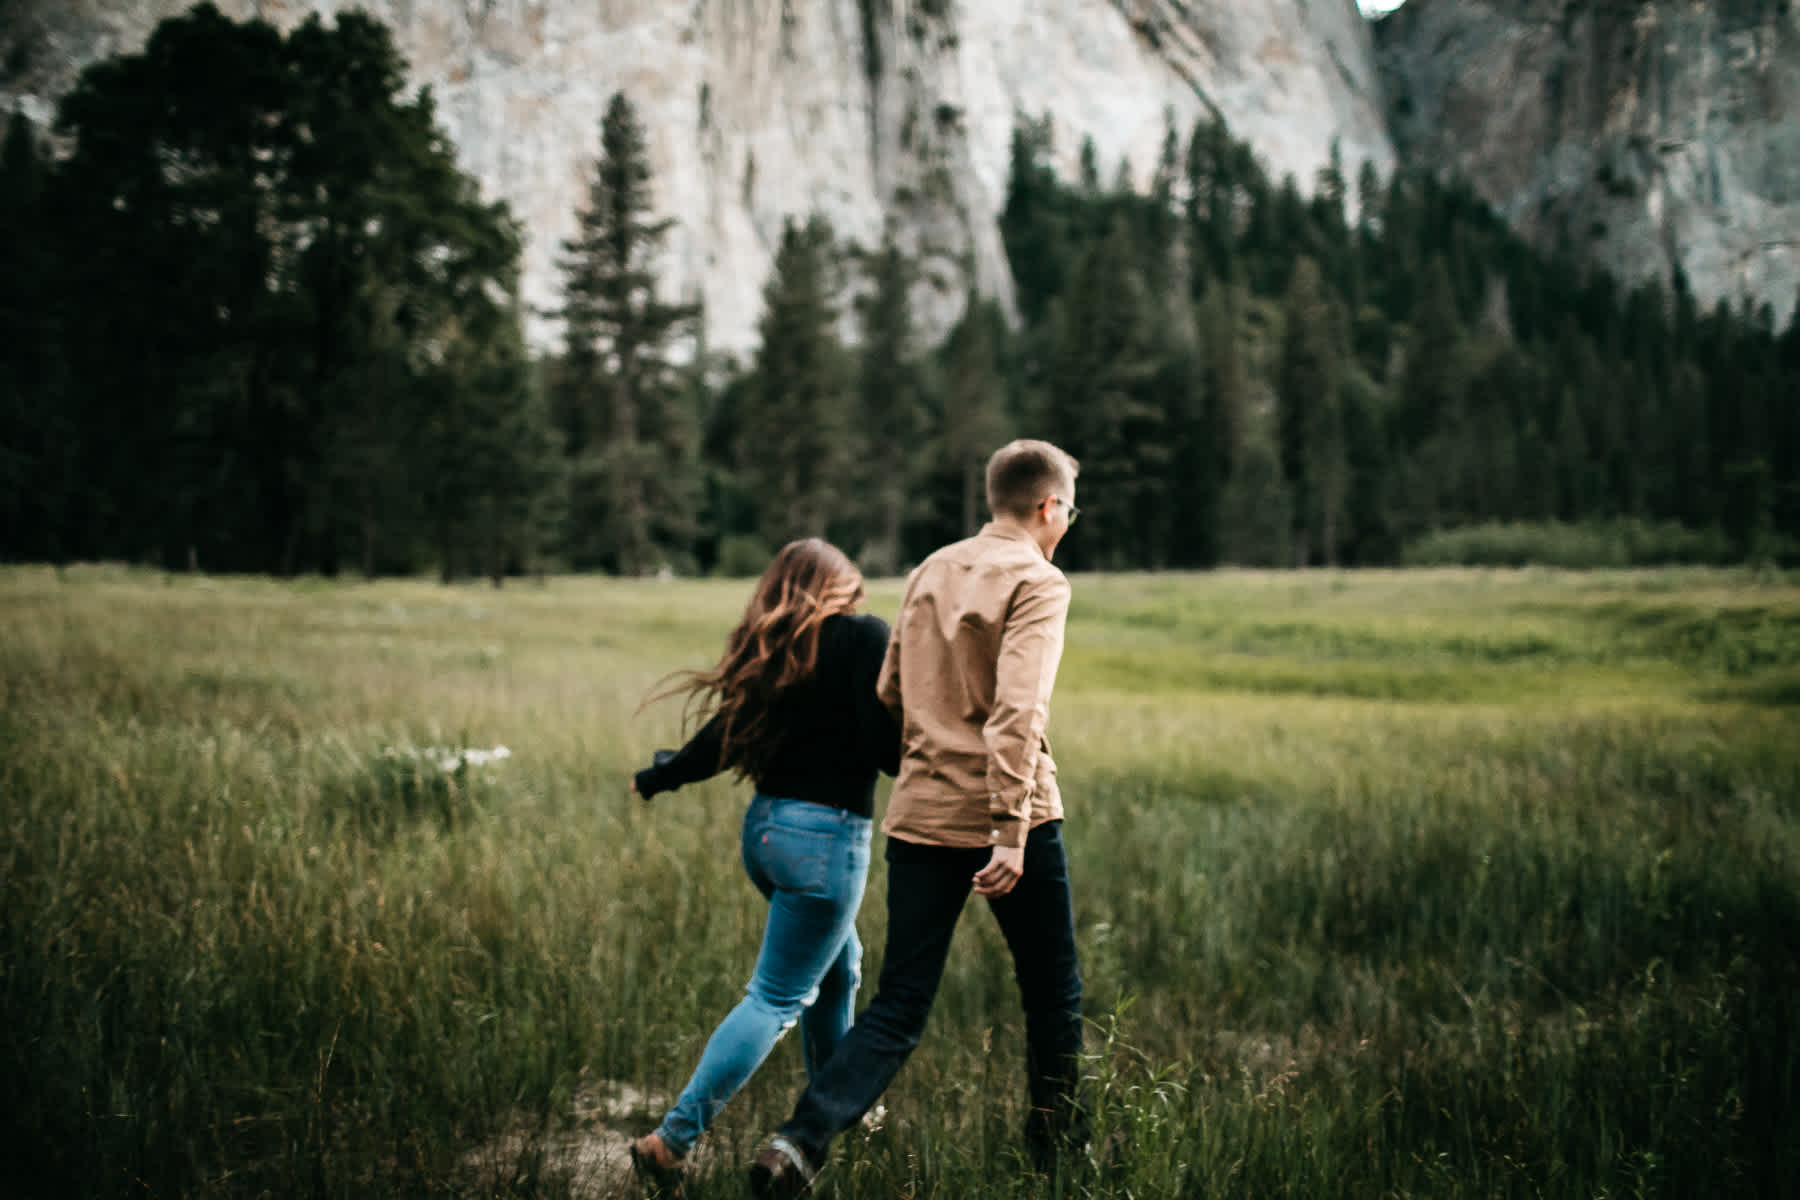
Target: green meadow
[[1442, 883]]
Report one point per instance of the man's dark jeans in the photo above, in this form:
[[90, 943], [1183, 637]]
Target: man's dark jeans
[[927, 887]]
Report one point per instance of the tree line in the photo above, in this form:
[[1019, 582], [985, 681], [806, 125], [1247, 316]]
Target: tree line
[[256, 319]]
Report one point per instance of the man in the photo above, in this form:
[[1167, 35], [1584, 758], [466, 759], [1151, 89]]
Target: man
[[975, 805]]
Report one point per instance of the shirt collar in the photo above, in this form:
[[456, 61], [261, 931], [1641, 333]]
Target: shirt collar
[[1007, 531]]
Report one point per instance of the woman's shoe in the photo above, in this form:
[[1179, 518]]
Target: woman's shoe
[[654, 1163]]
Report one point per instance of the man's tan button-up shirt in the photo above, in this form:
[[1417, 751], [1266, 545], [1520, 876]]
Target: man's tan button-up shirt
[[968, 674]]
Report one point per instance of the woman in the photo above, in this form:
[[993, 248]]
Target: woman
[[794, 711]]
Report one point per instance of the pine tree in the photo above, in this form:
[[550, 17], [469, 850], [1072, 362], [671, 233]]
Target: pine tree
[[1430, 433], [1310, 422], [1749, 504], [730, 511], [1574, 469], [37, 485], [1784, 432], [625, 414], [1185, 536], [1287, 233], [1429, 386], [493, 483], [383, 500], [793, 445], [1217, 198], [1689, 449], [1034, 221], [1502, 399], [1103, 399], [1256, 511], [1368, 200], [1368, 517], [1227, 387], [973, 419], [1162, 236], [1088, 170], [1789, 346], [892, 422]]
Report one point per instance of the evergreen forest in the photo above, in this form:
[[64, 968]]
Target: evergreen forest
[[254, 318]]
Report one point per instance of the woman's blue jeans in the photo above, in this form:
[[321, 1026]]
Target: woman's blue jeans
[[810, 862]]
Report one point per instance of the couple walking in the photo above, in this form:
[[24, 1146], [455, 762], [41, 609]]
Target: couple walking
[[809, 701]]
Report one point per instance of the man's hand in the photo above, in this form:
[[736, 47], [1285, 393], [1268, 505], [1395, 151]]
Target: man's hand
[[1002, 872]]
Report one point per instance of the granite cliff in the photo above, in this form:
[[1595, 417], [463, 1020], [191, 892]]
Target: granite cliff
[[1649, 136], [876, 113]]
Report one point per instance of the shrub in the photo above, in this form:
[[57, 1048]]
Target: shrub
[[742, 556], [1623, 542]]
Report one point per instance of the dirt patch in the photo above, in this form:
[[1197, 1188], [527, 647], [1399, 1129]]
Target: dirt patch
[[590, 1157]]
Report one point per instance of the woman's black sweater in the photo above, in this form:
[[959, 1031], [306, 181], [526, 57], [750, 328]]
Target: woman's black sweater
[[834, 733]]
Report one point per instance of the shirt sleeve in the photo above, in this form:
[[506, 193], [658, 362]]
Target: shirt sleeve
[[697, 760], [1031, 645], [877, 731]]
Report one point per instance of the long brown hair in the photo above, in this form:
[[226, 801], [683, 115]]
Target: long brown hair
[[774, 647]]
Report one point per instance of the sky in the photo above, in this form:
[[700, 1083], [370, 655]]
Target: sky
[[1375, 8]]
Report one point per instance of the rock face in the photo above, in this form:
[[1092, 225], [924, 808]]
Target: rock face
[[1646, 135], [876, 113]]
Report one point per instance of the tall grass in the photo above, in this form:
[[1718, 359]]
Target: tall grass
[[1452, 883]]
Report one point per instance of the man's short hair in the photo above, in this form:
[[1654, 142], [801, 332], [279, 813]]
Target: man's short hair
[[1020, 474]]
